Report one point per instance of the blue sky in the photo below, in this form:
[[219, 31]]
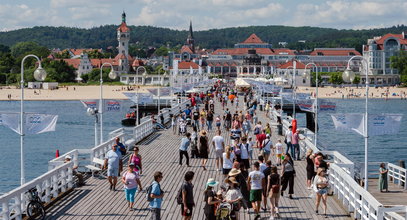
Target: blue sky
[[205, 14]]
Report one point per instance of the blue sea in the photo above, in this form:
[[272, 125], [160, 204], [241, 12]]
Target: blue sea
[[75, 129]]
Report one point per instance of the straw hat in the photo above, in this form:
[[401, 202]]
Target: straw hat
[[234, 172], [231, 180], [202, 133], [211, 182]]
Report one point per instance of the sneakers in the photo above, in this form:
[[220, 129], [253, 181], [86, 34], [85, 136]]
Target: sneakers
[[257, 217]]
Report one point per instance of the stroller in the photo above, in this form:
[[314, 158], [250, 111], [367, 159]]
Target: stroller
[[223, 211]]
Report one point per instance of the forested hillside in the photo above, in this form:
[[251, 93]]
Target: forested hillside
[[146, 36]]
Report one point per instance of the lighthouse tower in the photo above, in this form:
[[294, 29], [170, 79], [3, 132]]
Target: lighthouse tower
[[123, 36]]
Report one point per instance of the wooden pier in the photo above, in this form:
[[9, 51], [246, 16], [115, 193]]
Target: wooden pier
[[160, 153]]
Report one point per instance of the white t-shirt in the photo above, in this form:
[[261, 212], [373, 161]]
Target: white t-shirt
[[256, 178], [267, 144], [233, 194], [228, 163], [279, 148], [288, 136], [263, 166], [244, 148], [218, 142]]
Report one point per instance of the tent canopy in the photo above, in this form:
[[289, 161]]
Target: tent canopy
[[241, 83]]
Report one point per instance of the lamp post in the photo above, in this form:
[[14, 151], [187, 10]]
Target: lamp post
[[112, 75], [293, 85], [316, 100], [90, 112], [347, 77], [39, 75]]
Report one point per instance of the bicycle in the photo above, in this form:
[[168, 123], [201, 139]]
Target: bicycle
[[35, 209]]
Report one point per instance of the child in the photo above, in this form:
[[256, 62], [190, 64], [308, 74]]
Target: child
[[217, 121], [251, 144], [183, 127], [278, 151]]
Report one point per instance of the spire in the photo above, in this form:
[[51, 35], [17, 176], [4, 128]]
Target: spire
[[191, 34], [124, 17]]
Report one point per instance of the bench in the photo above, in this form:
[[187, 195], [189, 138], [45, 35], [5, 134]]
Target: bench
[[94, 168]]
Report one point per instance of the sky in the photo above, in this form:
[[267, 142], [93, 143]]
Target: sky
[[205, 14]]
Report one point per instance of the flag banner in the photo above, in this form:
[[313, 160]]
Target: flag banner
[[200, 69], [352, 122], [191, 71], [12, 121], [378, 124], [302, 96], [306, 105], [381, 124], [112, 105], [92, 103], [131, 95], [153, 91], [208, 69], [34, 123], [326, 106], [175, 67], [39, 123], [287, 96], [145, 98]]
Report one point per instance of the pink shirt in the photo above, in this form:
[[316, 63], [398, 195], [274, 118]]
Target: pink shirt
[[294, 139], [131, 178]]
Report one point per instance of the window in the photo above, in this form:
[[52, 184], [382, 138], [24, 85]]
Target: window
[[123, 44], [320, 54]]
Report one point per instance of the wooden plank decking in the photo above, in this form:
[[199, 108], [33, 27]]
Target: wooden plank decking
[[160, 153], [396, 195]]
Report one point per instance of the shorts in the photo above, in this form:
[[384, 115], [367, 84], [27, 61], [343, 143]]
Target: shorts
[[226, 171], [217, 124], [113, 171], [266, 152], [255, 195], [219, 153], [189, 212], [130, 194], [322, 191], [279, 155]]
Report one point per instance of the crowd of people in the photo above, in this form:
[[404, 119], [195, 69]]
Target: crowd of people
[[251, 182]]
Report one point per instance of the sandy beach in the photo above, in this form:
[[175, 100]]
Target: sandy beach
[[69, 93], [116, 92]]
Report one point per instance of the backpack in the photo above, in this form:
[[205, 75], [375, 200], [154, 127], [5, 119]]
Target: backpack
[[179, 196], [149, 190]]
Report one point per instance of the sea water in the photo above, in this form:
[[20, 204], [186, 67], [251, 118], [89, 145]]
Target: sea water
[[75, 129]]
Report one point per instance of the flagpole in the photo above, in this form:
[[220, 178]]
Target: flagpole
[[316, 100], [101, 110]]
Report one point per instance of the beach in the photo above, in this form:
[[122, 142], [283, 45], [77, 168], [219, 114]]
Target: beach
[[116, 92]]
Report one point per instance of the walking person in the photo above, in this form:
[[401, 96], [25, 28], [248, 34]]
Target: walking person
[[256, 183], [113, 164], [194, 143], [218, 122], [321, 184], [246, 127], [383, 171], [202, 118], [288, 174], [310, 167], [228, 158], [135, 158], [195, 117], [288, 138], [174, 124], [183, 148], [266, 150], [278, 150], [296, 144], [266, 173], [218, 144], [273, 189], [234, 197], [156, 197], [187, 193], [244, 153], [203, 148], [130, 181], [210, 199]]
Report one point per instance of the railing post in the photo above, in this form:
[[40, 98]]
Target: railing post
[[76, 158], [5, 210], [380, 212]]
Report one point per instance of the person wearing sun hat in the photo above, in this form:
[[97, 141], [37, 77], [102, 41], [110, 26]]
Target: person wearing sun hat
[[233, 196], [242, 185], [203, 148], [210, 199]]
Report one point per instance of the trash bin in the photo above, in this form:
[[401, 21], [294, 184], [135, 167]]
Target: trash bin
[[280, 129]]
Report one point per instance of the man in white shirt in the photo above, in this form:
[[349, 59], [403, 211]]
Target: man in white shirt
[[219, 144], [288, 138], [255, 183], [244, 155]]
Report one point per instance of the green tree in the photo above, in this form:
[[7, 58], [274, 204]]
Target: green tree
[[399, 62], [94, 76], [63, 55], [59, 71], [23, 48], [162, 51], [7, 62], [356, 80], [336, 78], [136, 51], [313, 78], [95, 54]]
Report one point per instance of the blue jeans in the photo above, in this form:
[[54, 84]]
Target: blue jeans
[[296, 148], [196, 122], [209, 124], [290, 148]]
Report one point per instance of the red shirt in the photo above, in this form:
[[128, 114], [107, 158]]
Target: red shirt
[[260, 138]]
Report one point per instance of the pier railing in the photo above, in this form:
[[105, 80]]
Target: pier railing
[[48, 185], [341, 176]]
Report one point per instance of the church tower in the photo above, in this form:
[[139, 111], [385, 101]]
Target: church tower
[[190, 39], [123, 36]]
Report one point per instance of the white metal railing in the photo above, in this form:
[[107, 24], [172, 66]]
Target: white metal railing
[[100, 150], [353, 197], [48, 185]]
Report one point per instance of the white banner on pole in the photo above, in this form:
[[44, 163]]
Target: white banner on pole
[[175, 67], [191, 71], [208, 69], [379, 124], [112, 105], [34, 123]]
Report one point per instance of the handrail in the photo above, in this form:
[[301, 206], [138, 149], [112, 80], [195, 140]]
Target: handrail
[[49, 186]]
